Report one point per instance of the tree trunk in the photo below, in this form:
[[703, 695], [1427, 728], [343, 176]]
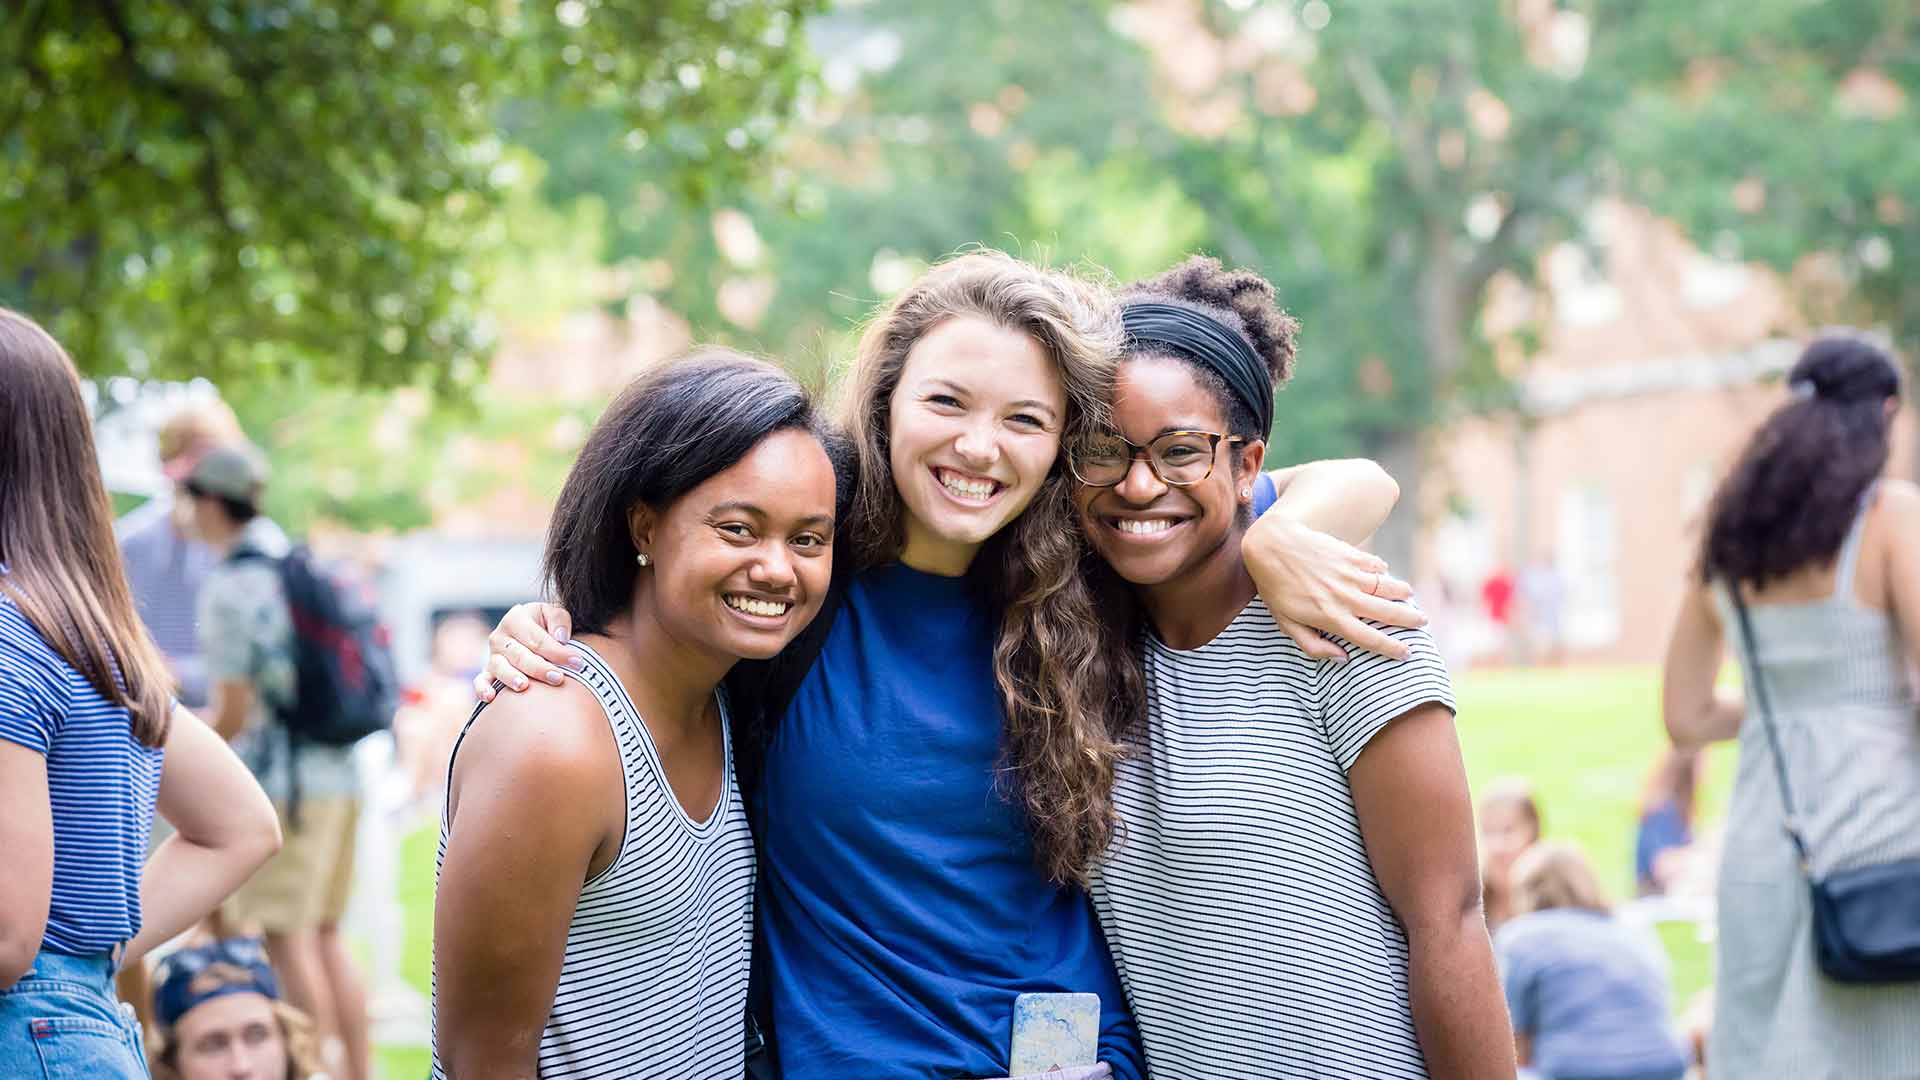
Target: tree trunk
[[1445, 315], [1403, 455]]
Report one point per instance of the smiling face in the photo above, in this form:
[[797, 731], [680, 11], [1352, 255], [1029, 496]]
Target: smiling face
[[740, 563], [231, 1037], [1151, 532], [973, 431]]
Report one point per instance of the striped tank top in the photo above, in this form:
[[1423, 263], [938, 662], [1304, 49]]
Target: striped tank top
[[654, 979]]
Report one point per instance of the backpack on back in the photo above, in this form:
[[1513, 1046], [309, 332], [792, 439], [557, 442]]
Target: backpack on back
[[345, 686]]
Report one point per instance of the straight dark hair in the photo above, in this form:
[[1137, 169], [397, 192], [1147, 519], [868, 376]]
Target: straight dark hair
[[1793, 494], [63, 566], [668, 432]]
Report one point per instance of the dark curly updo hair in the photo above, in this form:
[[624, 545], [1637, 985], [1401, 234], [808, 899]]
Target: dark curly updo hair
[[1246, 303], [1792, 496], [1241, 299]]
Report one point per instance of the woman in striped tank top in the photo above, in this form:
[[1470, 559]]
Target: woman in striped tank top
[[594, 913]]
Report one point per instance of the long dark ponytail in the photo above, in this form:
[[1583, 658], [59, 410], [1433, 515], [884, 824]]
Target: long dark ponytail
[[1791, 498]]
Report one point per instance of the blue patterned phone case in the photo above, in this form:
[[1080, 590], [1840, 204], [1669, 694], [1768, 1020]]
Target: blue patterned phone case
[[1054, 1031]]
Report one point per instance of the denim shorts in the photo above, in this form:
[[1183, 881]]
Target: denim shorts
[[62, 1022]]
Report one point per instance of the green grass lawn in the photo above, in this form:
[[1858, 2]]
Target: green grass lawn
[[1585, 738]]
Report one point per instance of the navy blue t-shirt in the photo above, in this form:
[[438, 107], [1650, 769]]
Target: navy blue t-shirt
[[901, 912]]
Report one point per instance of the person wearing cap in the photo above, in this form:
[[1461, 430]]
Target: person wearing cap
[[221, 1018], [298, 899]]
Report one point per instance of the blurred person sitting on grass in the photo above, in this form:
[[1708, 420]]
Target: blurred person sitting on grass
[[1663, 840], [220, 1017], [92, 744], [1588, 993], [1509, 818]]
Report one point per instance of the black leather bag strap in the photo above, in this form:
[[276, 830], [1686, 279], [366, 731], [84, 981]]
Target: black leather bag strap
[[1766, 721]]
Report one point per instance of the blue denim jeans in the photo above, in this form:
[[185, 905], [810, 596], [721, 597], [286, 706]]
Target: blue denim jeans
[[62, 1022]]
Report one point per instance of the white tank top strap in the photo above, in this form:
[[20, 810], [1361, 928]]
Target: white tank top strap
[[1846, 563]]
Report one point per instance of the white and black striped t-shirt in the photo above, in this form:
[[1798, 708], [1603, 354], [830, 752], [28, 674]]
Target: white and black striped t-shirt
[[653, 985], [1239, 902]]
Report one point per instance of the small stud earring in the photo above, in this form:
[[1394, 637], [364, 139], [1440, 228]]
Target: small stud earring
[[642, 559], [1246, 493]]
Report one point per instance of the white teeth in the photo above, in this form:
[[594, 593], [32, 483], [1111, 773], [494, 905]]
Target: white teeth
[[1144, 527], [966, 489], [753, 606]]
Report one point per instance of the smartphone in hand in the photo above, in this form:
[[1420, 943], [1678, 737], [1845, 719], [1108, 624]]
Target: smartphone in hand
[[1052, 1031]]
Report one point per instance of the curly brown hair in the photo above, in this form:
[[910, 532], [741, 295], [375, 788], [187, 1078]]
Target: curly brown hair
[[1245, 302], [1794, 492], [1059, 671]]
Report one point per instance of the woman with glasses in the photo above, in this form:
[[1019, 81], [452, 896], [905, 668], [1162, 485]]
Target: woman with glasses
[[1294, 890], [91, 742]]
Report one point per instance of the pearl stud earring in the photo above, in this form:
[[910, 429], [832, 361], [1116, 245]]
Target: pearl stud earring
[[642, 559]]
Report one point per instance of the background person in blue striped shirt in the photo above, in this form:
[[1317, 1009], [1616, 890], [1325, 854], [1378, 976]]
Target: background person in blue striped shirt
[[90, 742]]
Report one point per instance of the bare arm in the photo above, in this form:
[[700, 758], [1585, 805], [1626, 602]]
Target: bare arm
[[230, 704], [1694, 713], [529, 819], [1301, 557], [26, 853], [224, 828], [1899, 509], [1349, 498], [1410, 790]]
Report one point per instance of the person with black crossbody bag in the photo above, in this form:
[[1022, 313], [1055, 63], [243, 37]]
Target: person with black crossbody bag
[[1810, 564]]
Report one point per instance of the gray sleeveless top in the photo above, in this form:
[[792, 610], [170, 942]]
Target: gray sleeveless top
[[654, 981], [1837, 675]]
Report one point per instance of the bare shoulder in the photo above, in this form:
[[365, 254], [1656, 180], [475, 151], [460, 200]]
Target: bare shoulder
[[1897, 499], [1893, 521], [533, 745]]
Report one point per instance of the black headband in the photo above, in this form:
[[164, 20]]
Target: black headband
[[1204, 338]]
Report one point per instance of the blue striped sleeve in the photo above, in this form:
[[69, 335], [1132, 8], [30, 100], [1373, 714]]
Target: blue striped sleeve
[[33, 695]]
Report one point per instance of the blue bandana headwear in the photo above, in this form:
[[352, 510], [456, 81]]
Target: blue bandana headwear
[[179, 986], [1202, 337]]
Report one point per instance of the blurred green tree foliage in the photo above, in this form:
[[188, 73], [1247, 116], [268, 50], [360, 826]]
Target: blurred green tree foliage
[[302, 188], [1380, 162], [1786, 135]]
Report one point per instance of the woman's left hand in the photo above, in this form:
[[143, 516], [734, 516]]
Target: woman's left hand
[[1316, 584]]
